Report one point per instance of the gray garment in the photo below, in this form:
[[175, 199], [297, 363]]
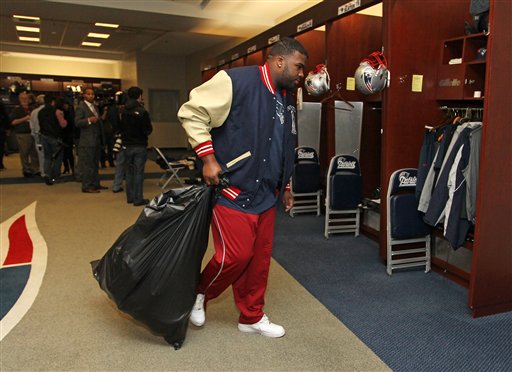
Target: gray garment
[[40, 152], [453, 187], [34, 121], [471, 172], [120, 170], [90, 134], [89, 166], [428, 188], [34, 129], [28, 154]]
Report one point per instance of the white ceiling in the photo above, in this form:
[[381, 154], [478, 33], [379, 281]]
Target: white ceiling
[[172, 27]]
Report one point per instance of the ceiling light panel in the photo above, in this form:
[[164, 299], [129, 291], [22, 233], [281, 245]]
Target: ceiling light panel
[[92, 44], [110, 25], [26, 18], [27, 29], [26, 38], [97, 35]]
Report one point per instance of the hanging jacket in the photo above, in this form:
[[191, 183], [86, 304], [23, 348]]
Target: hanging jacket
[[427, 155], [456, 226], [437, 207]]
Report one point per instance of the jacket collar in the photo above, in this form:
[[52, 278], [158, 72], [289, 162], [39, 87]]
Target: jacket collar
[[267, 79]]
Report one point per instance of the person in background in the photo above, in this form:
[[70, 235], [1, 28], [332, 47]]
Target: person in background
[[118, 148], [76, 141], [107, 153], [34, 129], [4, 126], [135, 129], [242, 123], [68, 158], [20, 117], [51, 123], [88, 120]]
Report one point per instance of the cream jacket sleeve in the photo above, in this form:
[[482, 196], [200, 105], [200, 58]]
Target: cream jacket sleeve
[[208, 107]]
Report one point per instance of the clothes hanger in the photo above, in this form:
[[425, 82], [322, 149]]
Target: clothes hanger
[[447, 119], [337, 94]]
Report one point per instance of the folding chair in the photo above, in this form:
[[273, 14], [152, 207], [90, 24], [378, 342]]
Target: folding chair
[[305, 183], [343, 196], [171, 169], [405, 224]]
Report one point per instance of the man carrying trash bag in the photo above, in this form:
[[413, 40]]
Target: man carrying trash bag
[[242, 124]]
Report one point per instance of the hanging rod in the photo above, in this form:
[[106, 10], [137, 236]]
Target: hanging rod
[[460, 108]]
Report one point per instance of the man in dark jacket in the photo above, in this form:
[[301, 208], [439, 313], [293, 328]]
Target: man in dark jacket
[[242, 123], [135, 129]]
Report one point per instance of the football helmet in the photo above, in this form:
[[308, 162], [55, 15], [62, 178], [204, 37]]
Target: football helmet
[[372, 75], [317, 82]]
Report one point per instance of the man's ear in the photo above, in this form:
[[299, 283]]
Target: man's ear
[[279, 61]]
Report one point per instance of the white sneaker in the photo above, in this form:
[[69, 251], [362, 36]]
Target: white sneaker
[[263, 327], [197, 316]]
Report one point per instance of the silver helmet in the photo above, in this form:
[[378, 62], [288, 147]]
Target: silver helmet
[[317, 82], [372, 75]]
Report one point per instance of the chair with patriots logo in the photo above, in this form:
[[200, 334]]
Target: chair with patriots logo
[[344, 195], [305, 183], [405, 224]]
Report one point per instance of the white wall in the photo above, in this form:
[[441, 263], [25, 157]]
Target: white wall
[[41, 64], [157, 71], [146, 70], [129, 71]]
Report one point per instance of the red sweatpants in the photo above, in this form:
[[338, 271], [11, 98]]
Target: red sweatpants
[[243, 250]]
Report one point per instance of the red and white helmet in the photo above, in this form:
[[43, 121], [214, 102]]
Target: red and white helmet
[[372, 75], [318, 82]]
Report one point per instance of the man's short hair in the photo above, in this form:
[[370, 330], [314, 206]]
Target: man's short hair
[[134, 92], [48, 99], [287, 46], [88, 88]]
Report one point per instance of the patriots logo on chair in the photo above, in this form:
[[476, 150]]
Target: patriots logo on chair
[[23, 257]]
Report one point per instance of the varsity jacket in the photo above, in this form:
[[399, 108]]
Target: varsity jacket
[[232, 116]]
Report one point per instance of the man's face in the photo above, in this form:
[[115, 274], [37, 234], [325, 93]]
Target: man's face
[[89, 95], [23, 98], [293, 71]]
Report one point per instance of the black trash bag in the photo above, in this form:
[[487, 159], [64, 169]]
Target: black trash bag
[[152, 270]]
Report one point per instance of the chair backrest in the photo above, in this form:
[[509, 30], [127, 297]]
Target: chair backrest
[[306, 171], [161, 160], [404, 220], [344, 182], [304, 154], [341, 164]]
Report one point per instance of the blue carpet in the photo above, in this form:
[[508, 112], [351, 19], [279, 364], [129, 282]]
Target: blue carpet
[[413, 321]]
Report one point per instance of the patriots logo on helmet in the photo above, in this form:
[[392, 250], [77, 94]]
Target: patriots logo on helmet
[[367, 80]]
